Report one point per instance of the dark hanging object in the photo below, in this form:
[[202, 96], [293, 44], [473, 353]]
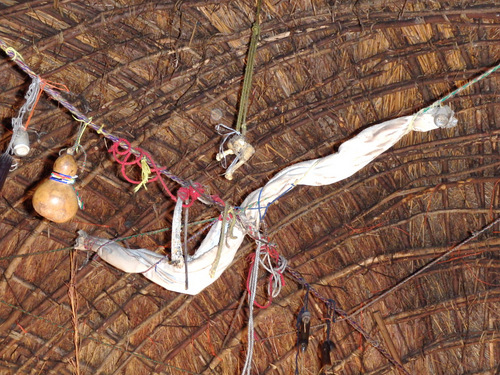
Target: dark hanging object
[[327, 346], [326, 356], [304, 326], [5, 165]]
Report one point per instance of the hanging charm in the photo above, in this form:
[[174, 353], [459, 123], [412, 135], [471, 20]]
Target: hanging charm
[[327, 346], [55, 198], [237, 144], [243, 151], [304, 325], [19, 144]]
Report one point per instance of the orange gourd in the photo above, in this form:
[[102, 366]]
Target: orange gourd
[[55, 198]]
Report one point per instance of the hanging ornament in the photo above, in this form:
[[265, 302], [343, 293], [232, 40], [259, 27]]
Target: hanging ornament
[[56, 198], [19, 144], [327, 346], [241, 149], [304, 325]]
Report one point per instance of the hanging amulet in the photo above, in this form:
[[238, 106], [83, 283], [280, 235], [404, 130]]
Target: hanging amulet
[[55, 198]]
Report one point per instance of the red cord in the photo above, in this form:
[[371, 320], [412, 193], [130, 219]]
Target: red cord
[[273, 253], [190, 194], [122, 151]]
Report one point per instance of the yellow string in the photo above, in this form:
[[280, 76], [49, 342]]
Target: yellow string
[[146, 171], [100, 131], [232, 212], [16, 54], [222, 238], [82, 130]]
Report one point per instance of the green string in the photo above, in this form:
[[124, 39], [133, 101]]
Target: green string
[[462, 88], [115, 240], [241, 125], [94, 339]]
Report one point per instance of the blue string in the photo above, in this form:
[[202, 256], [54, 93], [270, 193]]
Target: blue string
[[259, 207]]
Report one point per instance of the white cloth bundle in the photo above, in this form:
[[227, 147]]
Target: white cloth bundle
[[352, 155]]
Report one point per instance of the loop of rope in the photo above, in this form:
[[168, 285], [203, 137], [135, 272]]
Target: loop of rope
[[252, 291], [43, 83], [123, 155]]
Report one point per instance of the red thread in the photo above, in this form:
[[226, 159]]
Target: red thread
[[22, 329], [211, 346], [273, 253], [218, 199], [43, 83], [122, 152], [190, 194]]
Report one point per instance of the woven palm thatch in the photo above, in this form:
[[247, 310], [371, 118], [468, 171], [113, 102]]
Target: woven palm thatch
[[163, 75]]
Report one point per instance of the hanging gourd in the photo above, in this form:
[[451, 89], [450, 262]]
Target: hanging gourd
[[55, 198]]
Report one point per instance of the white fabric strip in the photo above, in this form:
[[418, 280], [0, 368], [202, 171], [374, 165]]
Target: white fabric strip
[[352, 155]]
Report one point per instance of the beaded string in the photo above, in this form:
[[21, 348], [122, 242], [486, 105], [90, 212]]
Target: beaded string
[[63, 178]]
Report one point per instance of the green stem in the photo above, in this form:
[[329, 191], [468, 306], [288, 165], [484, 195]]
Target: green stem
[[241, 125]]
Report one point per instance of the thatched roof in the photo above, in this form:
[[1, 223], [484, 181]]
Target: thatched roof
[[162, 75]]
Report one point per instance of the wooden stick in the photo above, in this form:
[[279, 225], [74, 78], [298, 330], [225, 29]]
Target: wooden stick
[[386, 336]]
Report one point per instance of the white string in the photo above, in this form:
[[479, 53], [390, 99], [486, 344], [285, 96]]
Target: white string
[[277, 279], [252, 283], [226, 131], [30, 99]]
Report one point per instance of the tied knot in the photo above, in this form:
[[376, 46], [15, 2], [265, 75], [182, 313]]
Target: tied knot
[[190, 194]]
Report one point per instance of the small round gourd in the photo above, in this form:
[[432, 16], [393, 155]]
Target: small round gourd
[[55, 200]]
